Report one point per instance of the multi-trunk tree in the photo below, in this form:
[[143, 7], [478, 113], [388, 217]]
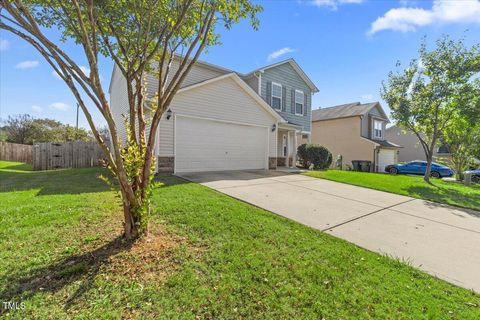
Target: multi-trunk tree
[[140, 36], [462, 136], [423, 98]]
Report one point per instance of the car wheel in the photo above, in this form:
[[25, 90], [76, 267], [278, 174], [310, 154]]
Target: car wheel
[[435, 174], [476, 179], [393, 170]]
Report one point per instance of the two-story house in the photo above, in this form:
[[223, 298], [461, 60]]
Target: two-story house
[[224, 120], [411, 148], [355, 131]]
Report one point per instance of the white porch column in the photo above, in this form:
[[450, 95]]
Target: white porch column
[[294, 153], [287, 164]]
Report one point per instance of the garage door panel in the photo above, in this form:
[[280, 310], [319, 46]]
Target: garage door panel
[[206, 145], [385, 158]]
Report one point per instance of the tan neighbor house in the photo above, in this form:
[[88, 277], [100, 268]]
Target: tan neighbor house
[[355, 131], [411, 147]]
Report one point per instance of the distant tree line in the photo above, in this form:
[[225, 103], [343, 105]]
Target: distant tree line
[[25, 129]]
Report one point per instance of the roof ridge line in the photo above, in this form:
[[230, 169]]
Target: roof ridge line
[[339, 105]]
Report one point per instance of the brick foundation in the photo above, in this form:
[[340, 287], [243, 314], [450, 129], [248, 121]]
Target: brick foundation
[[281, 162], [166, 164], [272, 163]]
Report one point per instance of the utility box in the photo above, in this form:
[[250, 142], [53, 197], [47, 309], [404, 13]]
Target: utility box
[[467, 179]]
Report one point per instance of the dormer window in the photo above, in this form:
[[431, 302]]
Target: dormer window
[[299, 101], [377, 129], [276, 96]]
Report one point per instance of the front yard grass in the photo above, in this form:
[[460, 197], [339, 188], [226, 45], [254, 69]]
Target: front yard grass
[[440, 191], [208, 256]]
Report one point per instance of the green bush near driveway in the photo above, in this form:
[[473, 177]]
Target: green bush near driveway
[[314, 154]]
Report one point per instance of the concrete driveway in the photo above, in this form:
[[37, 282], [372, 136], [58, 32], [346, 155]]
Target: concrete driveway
[[441, 240]]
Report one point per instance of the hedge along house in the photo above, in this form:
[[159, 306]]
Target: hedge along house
[[355, 131], [223, 120]]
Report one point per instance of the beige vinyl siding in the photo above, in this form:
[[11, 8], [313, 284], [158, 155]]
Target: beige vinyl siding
[[165, 137], [119, 97], [119, 102], [222, 100], [198, 73]]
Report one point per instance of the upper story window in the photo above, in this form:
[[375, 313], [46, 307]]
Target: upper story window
[[377, 129], [299, 101], [276, 96]]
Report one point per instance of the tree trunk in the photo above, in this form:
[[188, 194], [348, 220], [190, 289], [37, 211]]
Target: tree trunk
[[135, 225], [428, 170], [458, 171]]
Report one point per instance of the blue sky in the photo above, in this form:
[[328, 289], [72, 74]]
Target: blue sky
[[347, 47]]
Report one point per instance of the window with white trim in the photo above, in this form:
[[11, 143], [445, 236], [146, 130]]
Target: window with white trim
[[276, 96], [299, 101], [377, 129]]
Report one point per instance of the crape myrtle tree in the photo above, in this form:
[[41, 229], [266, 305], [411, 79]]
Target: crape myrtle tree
[[462, 136], [140, 36], [423, 98]]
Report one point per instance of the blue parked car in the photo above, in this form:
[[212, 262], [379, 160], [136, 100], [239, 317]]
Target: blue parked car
[[419, 167], [475, 175]]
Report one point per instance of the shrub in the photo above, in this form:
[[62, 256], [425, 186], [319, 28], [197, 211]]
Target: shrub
[[314, 154], [302, 155]]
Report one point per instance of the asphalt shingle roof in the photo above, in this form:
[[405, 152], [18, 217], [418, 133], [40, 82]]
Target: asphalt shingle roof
[[342, 111]]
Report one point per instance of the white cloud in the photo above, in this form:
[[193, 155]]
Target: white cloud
[[28, 64], [60, 106], [279, 53], [36, 108], [443, 11], [333, 4], [367, 97], [4, 44], [84, 69]]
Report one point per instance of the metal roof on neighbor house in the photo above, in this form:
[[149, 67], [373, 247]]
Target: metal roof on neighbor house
[[344, 111]]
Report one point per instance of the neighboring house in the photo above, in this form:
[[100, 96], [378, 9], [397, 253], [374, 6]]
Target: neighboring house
[[224, 120], [411, 147], [355, 131]]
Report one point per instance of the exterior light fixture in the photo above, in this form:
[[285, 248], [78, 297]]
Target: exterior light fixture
[[169, 113], [274, 127]]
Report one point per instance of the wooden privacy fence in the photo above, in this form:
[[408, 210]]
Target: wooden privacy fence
[[77, 154], [16, 152]]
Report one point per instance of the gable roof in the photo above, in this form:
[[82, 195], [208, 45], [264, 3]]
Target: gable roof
[[243, 85], [295, 66], [212, 66], [346, 110]]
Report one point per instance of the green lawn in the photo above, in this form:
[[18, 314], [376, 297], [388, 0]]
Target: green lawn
[[208, 257], [440, 191]]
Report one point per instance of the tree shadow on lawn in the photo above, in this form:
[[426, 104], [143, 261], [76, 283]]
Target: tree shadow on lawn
[[60, 274], [441, 197], [53, 182]]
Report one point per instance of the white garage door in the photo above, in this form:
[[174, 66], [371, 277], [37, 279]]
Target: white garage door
[[207, 145], [385, 158]]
